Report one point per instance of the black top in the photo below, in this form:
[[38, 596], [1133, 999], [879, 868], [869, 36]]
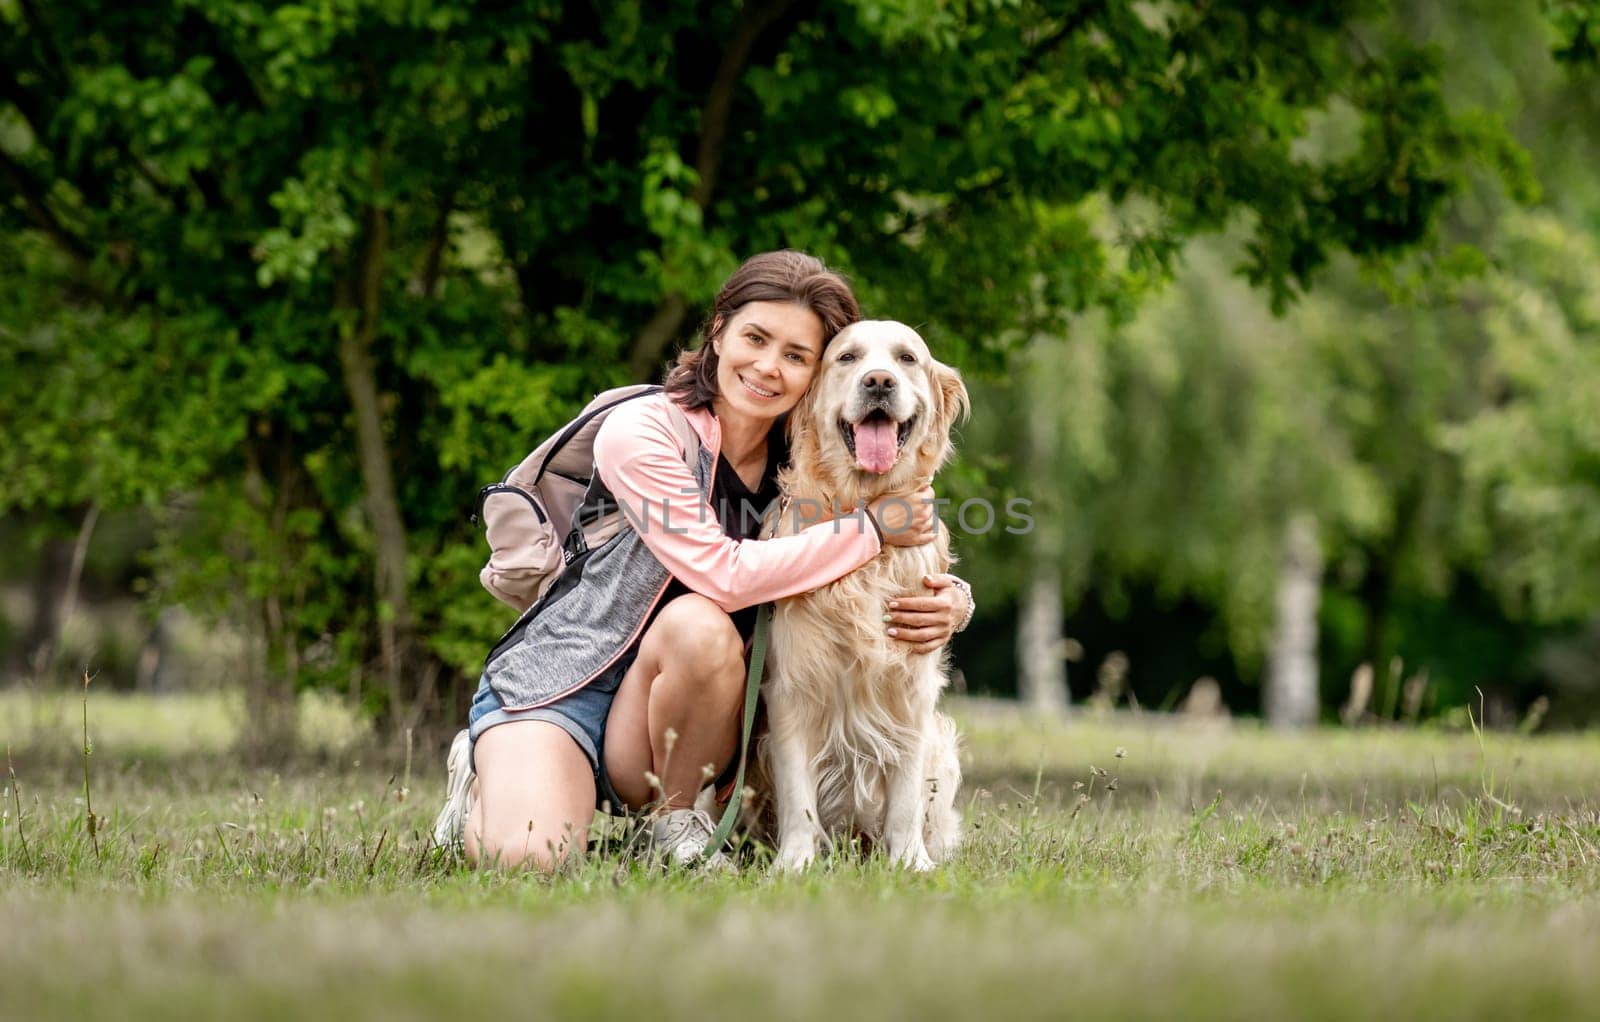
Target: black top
[[740, 510]]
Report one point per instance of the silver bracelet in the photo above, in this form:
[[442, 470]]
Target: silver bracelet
[[972, 604]]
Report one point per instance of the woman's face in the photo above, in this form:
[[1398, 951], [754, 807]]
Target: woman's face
[[767, 355]]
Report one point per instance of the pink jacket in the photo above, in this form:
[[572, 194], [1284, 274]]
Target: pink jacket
[[639, 459]]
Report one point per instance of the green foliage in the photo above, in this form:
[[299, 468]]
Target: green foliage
[[206, 203], [1443, 446], [1577, 30], [1532, 460], [1430, 408]]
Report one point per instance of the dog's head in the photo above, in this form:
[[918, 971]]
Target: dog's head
[[878, 416]]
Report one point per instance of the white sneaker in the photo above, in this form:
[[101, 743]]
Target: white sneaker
[[681, 836], [458, 799]]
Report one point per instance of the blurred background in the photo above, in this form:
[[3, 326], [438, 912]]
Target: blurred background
[[1285, 317]]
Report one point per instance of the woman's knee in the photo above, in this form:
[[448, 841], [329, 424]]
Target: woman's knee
[[536, 797], [696, 635]]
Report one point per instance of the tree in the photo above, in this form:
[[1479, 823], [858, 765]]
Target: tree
[[1399, 407], [301, 276], [1290, 696]]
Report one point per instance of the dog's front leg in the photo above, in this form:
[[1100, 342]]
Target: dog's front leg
[[908, 805], [794, 789]]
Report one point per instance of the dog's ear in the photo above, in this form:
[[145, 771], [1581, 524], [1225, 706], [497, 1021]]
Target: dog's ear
[[954, 404], [950, 405]]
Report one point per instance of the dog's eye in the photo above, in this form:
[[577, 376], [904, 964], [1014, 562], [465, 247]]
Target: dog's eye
[[847, 357], [907, 357]]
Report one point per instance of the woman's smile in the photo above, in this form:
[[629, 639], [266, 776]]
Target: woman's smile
[[765, 395]]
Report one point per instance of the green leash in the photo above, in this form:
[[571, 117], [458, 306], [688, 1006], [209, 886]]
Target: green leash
[[752, 690]]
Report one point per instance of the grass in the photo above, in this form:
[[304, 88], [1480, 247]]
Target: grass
[[1206, 871]]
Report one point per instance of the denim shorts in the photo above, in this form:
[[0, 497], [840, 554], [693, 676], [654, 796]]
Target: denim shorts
[[581, 714]]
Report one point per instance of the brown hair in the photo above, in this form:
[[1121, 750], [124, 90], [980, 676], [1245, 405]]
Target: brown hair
[[782, 276]]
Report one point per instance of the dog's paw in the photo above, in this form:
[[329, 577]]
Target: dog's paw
[[794, 859], [915, 859]]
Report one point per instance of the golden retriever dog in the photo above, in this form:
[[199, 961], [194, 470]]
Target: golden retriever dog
[[855, 746]]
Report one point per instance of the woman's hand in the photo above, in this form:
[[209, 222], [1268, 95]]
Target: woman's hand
[[906, 521], [927, 622]]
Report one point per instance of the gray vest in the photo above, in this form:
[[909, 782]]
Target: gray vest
[[593, 613]]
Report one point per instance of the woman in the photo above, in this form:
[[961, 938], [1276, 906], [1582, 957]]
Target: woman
[[625, 688]]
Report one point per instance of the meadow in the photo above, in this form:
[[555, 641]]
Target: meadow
[[1116, 866]]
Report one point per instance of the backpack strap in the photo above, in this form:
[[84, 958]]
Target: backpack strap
[[687, 437], [581, 537]]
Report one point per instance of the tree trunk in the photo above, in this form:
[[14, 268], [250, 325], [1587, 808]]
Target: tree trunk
[[650, 344], [1042, 682], [44, 625], [269, 733], [362, 292], [55, 594], [1376, 590], [1291, 690]]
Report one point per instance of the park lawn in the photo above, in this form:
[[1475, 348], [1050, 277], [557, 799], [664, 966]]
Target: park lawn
[[1209, 870]]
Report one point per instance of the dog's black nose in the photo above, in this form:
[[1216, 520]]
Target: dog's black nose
[[878, 382]]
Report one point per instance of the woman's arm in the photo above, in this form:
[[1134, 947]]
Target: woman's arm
[[928, 622], [638, 459]]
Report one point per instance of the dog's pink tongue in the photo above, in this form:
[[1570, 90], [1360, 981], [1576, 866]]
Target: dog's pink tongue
[[875, 445]]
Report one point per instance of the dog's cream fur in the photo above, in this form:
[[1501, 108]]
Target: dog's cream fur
[[856, 746]]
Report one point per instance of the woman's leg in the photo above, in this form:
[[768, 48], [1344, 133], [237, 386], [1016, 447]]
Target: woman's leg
[[689, 679], [536, 797]]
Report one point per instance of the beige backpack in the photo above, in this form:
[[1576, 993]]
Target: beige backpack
[[528, 515]]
